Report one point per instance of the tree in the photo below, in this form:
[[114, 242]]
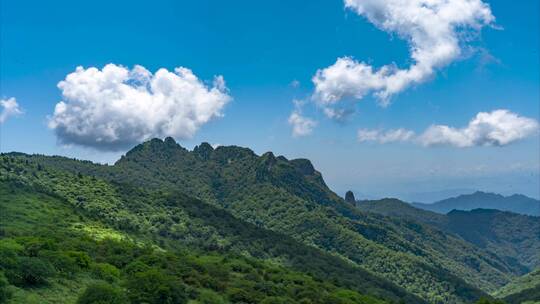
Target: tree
[[155, 287], [5, 293], [488, 301], [106, 272], [34, 271], [102, 293]]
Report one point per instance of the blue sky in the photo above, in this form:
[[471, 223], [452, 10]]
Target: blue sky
[[261, 51]]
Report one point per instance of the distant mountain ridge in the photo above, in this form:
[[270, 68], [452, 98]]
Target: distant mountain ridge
[[511, 236], [516, 203], [429, 197]]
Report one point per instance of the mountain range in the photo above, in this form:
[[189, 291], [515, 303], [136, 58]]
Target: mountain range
[[514, 203], [216, 208], [512, 236], [428, 197]]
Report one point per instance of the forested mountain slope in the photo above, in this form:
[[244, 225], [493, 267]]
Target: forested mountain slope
[[510, 235], [525, 289], [62, 232], [397, 208], [513, 237], [290, 197]]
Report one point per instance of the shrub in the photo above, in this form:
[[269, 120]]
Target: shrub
[[5, 292], [81, 258], [105, 272], [241, 295], [209, 297], [276, 300], [33, 246], [136, 266], [62, 263], [9, 251], [34, 271], [102, 293], [488, 301], [155, 287]]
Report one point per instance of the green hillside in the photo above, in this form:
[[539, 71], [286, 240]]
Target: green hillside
[[525, 289], [290, 197], [396, 208], [513, 237], [62, 233]]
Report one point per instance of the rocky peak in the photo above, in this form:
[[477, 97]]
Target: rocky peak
[[269, 157], [268, 160], [349, 197], [152, 149], [204, 150], [169, 141], [304, 166]]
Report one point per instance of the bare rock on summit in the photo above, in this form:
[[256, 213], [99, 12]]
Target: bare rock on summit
[[349, 197]]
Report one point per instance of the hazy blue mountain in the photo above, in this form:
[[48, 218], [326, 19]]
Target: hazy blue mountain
[[514, 203], [428, 197]]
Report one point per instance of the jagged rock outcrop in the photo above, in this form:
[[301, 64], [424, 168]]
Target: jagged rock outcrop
[[204, 150], [349, 197]]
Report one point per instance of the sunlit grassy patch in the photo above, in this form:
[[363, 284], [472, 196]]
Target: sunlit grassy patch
[[100, 233]]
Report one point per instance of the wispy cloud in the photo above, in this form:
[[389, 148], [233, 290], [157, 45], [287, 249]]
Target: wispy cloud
[[435, 31], [383, 137], [301, 125], [9, 107]]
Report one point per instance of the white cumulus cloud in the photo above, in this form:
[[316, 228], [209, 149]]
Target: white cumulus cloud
[[9, 107], [301, 125], [116, 107], [435, 31], [496, 128]]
